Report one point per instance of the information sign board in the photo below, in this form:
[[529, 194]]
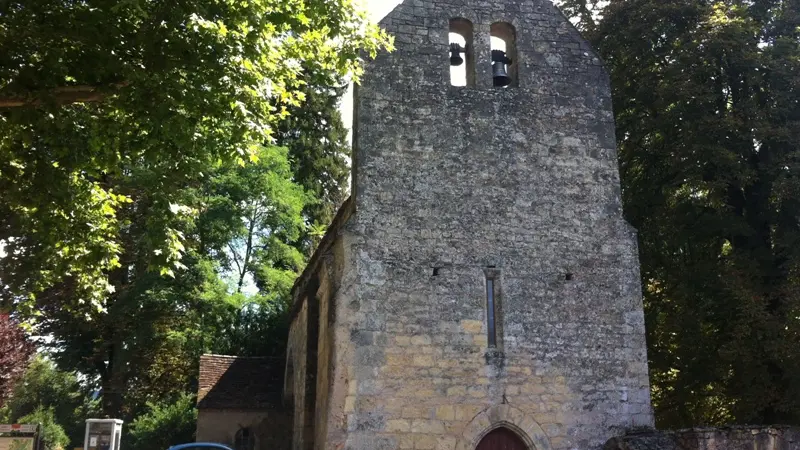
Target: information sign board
[[16, 443]]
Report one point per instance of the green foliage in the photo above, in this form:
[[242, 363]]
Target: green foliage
[[137, 174], [45, 388], [92, 93], [164, 424], [252, 215], [143, 345], [141, 348], [707, 109], [52, 434], [319, 152], [248, 326]]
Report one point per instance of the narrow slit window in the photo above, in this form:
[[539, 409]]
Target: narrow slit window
[[244, 440], [491, 312], [462, 55], [505, 65]]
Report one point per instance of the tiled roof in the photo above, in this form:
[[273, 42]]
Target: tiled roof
[[235, 382]]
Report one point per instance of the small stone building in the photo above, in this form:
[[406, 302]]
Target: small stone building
[[480, 289], [239, 403]]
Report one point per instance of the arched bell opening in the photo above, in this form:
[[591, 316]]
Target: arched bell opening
[[504, 55], [462, 55], [501, 438]]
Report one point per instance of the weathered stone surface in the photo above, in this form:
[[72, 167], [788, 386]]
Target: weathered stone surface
[[730, 438], [451, 185]]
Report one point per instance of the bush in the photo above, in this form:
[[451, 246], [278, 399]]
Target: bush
[[44, 386], [52, 434], [164, 424]]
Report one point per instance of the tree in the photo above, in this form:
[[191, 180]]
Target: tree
[[44, 387], [164, 424], [15, 351], [92, 91], [252, 215], [707, 105], [143, 345], [319, 152], [252, 326], [52, 434], [136, 167], [137, 348]]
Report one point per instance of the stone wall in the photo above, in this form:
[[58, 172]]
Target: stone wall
[[311, 342], [452, 185], [296, 376], [732, 438]]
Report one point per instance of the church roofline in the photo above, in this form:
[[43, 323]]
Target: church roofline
[[344, 213]]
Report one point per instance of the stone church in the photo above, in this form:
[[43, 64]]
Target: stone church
[[480, 289]]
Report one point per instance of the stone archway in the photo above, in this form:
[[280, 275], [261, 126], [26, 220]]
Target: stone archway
[[505, 416], [501, 439]]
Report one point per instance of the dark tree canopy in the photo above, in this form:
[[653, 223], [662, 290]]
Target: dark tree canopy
[[319, 151], [707, 104]]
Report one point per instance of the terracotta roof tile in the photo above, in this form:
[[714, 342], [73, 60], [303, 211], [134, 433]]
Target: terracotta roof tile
[[235, 382]]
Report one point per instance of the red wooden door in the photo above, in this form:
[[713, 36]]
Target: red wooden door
[[501, 439]]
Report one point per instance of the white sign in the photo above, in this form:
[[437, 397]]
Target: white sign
[[21, 428], [93, 441]]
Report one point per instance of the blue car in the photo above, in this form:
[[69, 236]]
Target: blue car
[[200, 445]]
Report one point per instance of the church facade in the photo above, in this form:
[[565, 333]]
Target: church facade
[[480, 289]]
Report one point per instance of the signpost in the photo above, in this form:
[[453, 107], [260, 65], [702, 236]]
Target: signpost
[[17, 427], [19, 437]]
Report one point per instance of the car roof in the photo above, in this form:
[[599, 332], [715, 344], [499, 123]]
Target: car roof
[[200, 445]]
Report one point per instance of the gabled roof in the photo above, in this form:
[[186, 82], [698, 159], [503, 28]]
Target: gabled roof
[[235, 382]]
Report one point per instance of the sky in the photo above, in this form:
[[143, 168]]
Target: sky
[[377, 10]]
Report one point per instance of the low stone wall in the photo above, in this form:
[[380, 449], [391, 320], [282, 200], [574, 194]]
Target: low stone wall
[[728, 438]]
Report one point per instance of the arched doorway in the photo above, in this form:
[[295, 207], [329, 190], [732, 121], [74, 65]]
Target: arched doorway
[[501, 439]]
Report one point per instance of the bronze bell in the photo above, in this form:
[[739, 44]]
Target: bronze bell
[[455, 54], [499, 73]]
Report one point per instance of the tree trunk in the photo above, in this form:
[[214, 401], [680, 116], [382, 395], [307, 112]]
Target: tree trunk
[[248, 250], [113, 385]]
